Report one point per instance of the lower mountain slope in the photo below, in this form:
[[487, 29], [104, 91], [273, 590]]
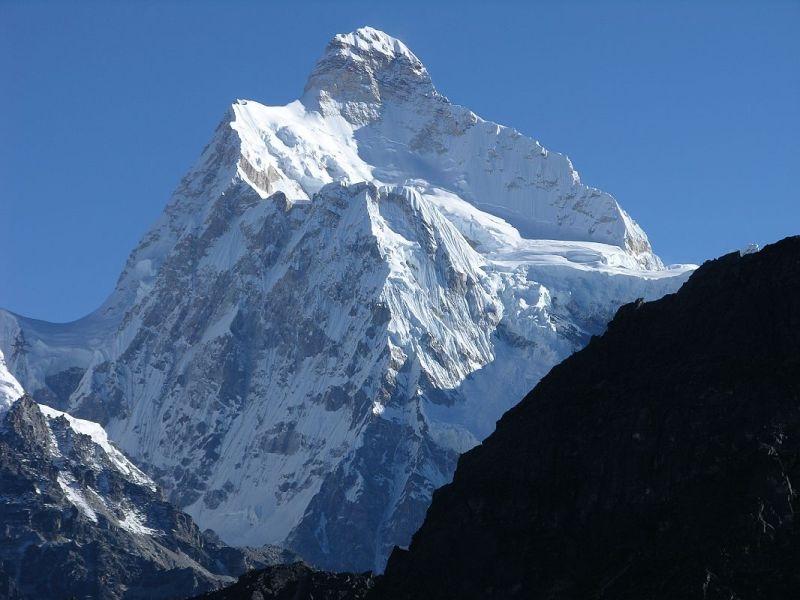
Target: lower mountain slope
[[659, 462], [81, 521], [662, 461]]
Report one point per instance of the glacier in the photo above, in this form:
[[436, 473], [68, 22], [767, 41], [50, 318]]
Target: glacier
[[341, 296]]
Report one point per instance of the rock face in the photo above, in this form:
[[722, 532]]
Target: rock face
[[662, 461], [81, 521], [313, 331], [297, 581]]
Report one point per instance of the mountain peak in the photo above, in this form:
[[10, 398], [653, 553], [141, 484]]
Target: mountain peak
[[367, 65], [369, 40]]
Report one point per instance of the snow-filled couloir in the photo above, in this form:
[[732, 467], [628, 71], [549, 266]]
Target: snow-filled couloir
[[342, 295]]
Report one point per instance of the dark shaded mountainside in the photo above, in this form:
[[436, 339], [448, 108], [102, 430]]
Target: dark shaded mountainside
[[79, 521], [661, 461], [296, 581]]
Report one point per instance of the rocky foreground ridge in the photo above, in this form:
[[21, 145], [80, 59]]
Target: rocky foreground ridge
[[79, 520]]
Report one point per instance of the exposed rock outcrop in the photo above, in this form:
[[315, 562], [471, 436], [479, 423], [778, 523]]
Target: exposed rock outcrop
[[296, 581], [79, 520]]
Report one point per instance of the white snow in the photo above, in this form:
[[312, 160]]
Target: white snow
[[75, 496], [134, 522], [10, 388]]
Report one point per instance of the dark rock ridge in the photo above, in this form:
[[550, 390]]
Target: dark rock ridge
[[77, 520], [297, 581], [660, 462]]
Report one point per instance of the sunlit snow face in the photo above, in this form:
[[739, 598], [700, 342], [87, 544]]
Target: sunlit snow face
[[10, 388]]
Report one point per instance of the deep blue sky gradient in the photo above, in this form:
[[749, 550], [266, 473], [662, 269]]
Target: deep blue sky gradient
[[686, 112]]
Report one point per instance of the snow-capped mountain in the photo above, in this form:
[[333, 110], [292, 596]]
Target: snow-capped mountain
[[80, 520], [342, 295]]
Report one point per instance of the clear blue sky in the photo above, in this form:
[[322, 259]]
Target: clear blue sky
[[686, 112]]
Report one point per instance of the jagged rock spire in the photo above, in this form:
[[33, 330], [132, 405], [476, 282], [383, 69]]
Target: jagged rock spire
[[368, 65]]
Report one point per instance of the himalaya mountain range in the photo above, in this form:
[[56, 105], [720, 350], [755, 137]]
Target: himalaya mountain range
[[341, 297]]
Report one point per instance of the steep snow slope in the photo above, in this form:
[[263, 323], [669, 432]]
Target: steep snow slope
[[315, 328], [10, 389]]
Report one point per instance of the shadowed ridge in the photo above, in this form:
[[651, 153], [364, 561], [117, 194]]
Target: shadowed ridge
[[297, 581]]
